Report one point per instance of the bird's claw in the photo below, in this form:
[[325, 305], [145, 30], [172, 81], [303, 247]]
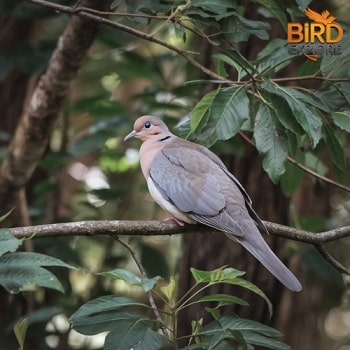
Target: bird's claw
[[173, 218]]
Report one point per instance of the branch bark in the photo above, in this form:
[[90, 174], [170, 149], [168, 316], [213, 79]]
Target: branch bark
[[40, 115], [158, 228]]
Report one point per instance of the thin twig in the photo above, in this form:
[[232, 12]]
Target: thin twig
[[309, 77], [320, 177], [81, 12], [303, 167], [328, 257], [143, 274], [117, 14]]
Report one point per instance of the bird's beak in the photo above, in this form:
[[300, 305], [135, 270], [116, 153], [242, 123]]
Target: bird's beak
[[129, 136]]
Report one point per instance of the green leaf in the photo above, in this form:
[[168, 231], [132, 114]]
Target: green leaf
[[134, 332], [311, 98], [273, 57], [3, 217], [244, 64], [146, 283], [105, 321], [220, 67], [33, 259], [291, 179], [25, 278], [315, 164], [299, 103], [223, 299], [342, 120], [222, 274], [336, 95], [22, 271], [276, 10], [99, 133], [95, 316], [230, 276], [233, 322], [219, 340], [214, 312], [226, 115], [292, 142], [152, 340], [220, 57], [8, 242], [196, 326], [237, 28], [200, 111], [335, 148], [271, 141], [337, 66], [254, 338], [217, 7], [308, 68], [253, 288], [126, 330], [20, 330], [169, 289], [252, 332], [229, 110], [282, 112]]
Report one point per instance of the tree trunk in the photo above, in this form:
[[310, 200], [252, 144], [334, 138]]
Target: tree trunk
[[43, 108]]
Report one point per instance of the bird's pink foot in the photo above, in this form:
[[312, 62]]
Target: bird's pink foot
[[173, 218]]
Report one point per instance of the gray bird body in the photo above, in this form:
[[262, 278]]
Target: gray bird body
[[193, 184]]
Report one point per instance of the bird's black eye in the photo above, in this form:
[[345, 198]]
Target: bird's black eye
[[148, 124]]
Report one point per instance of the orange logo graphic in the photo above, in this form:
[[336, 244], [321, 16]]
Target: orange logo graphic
[[317, 38]]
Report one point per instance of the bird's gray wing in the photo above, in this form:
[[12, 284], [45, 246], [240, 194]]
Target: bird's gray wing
[[248, 202], [199, 187]]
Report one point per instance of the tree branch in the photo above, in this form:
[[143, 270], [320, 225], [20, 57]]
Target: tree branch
[[143, 274], [328, 257], [82, 11], [158, 228], [303, 167]]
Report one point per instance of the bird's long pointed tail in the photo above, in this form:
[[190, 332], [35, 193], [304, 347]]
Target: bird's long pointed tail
[[260, 249]]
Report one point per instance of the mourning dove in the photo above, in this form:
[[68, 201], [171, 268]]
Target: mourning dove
[[193, 184]]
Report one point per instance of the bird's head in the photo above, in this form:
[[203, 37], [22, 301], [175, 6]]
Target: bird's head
[[148, 127]]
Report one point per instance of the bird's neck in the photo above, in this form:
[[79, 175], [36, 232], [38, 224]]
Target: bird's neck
[[150, 148]]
